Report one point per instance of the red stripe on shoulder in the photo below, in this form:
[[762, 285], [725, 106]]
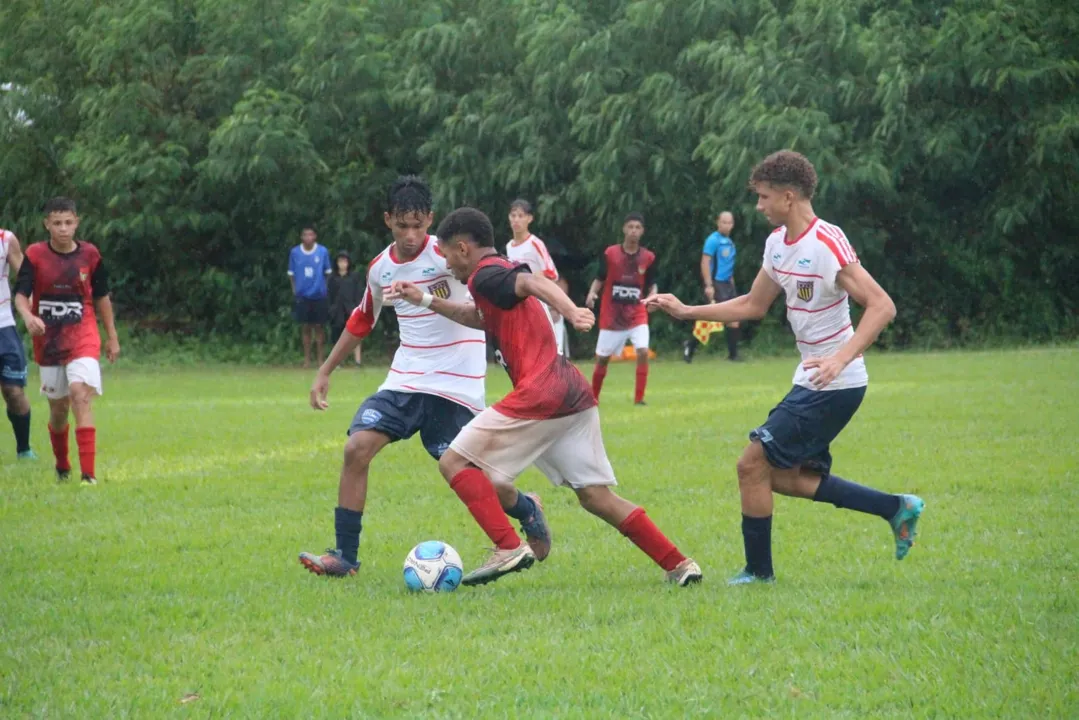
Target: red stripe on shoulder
[[377, 258], [831, 244]]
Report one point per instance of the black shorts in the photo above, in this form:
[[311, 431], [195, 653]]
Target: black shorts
[[308, 311], [725, 290], [400, 415], [12, 358], [799, 431]]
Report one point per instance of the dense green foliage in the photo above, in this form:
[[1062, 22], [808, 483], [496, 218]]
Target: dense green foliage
[[200, 134]]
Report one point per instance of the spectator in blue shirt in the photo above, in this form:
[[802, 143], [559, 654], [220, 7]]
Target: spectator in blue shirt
[[308, 267], [717, 273]]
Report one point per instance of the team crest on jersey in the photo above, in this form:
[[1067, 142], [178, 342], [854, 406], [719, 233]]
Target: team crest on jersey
[[642, 270], [84, 273], [805, 290], [441, 289]]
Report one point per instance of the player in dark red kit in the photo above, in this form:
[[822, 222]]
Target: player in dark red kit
[[626, 276], [67, 280], [550, 417]]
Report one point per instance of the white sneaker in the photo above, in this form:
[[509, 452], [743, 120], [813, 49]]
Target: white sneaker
[[685, 573], [499, 563]]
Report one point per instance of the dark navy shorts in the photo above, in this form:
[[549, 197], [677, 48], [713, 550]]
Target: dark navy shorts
[[311, 311], [12, 358], [400, 415], [799, 430]]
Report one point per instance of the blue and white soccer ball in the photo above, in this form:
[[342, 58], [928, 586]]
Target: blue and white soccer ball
[[433, 566]]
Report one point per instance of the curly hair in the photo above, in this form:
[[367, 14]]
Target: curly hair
[[469, 222], [786, 168], [409, 194]]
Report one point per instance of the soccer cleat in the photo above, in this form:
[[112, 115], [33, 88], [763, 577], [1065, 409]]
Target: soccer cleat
[[747, 578], [499, 563], [88, 480], [905, 524], [28, 455], [685, 573], [537, 531], [642, 403], [63, 475], [331, 564]]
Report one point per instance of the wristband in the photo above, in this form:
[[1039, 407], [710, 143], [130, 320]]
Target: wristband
[[428, 298]]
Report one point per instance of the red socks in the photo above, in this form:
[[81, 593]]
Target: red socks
[[86, 439], [642, 380], [479, 496], [59, 447], [645, 535], [598, 374]]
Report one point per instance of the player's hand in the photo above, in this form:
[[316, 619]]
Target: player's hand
[[710, 293], [319, 390], [112, 349], [669, 304], [35, 326], [590, 300], [582, 319], [828, 368], [404, 290]]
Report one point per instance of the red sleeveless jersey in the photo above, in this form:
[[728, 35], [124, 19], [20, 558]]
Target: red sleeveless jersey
[[63, 288], [545, 384], [626, 278]]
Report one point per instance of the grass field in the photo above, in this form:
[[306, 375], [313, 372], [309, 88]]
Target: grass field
[[177, 576]]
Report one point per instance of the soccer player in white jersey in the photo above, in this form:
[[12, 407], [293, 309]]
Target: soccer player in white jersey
[[813, 264], [436, 381], [527, 249], [12, 355]]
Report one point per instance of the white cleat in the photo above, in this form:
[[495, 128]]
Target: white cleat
[[499, 563], [685, 573]]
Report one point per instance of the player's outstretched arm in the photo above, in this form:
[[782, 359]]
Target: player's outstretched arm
[[538, 286], [751, 306], [461, 313]]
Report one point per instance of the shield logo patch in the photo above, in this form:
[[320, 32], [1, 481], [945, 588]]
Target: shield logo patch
[[805, 290], [441, 289]]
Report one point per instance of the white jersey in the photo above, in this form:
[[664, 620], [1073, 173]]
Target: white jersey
[[533, 253], [7, 318], [817, 308], [436, 356]]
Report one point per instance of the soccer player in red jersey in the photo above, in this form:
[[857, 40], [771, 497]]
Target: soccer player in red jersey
[[69, 287], [550, 417], [626, 276]]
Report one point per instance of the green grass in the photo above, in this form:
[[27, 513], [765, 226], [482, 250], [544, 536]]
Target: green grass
[[178, 574]]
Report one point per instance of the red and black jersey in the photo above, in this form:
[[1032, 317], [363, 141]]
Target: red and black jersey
[[626, 278], [545, 384], [63, 287]]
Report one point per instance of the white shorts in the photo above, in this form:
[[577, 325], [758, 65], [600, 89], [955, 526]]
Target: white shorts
[[55, 379], [560, 335], [568, 450], [611, 342]]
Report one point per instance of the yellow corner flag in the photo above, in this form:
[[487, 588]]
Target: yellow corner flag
[[703, 329]]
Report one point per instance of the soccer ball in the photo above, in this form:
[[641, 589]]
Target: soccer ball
[[433, 566]]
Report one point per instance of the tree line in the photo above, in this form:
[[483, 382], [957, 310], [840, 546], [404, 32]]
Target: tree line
[[199, 136]]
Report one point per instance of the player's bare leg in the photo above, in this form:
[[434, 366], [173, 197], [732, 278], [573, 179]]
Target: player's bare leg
[[631, 520], [527, 508], [478, 494], [18, 412], [755, 487], [58, 434], [360, 450], [306, 334], [599, 372], [642, 376], [81, 396]]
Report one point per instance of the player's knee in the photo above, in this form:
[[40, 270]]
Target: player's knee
[[593, 499], [12, 393], [752, 465], [450, 464], [359, 451]]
